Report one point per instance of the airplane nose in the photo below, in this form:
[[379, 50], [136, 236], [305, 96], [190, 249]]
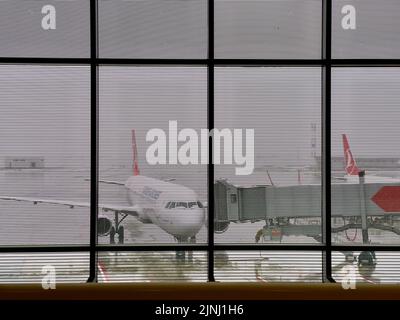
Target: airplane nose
[[184, 223], [198, 216], [201, 215], [196, 221]]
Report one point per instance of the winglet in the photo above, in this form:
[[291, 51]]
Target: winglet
[[136, 171], [350, 163]]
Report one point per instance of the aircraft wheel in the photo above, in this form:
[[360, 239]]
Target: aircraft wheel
[[112, 235], [121, 234]]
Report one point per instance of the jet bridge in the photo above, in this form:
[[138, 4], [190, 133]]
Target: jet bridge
[[296, 210]]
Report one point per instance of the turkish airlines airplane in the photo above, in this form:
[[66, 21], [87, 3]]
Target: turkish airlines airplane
[[352, 169], [174, 208]]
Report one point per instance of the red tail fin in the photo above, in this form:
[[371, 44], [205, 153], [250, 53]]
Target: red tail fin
[[135, 155], [350, 163]]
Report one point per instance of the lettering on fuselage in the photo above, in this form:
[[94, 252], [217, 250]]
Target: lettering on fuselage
[[151, 193]]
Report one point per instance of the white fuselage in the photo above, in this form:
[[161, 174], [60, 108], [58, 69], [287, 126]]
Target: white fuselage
[[174, 208]]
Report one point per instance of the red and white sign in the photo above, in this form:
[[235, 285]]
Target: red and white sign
[[388, 198]]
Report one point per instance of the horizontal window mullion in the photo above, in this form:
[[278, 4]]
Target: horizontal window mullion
[[271, 62], [204, 62], [61, 61], [365, 62], [16, 249]]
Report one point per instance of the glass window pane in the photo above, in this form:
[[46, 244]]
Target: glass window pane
[[32, 267], [268, 29], [374, 267], [151, 164], [279, 191], [61, 31], [366, 29], [152, 266], [268, 266], [365, 137], [45, 154], [153, 29]]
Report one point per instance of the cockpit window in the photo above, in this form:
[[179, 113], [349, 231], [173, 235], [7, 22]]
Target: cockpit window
[[193, 204], [181, 204]]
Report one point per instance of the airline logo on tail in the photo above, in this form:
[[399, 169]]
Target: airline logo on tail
[[350, 163]]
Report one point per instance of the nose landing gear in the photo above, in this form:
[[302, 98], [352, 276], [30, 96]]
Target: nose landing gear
[[118, 229], [181, 255]]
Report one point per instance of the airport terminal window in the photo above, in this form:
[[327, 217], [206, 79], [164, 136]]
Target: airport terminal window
[[283, 107], [365, 128], [22, 268], [367, 30], [45, 145], [42, 28], [265, 29], [112, 171], [264, 266], [172, 29], [151, 100]]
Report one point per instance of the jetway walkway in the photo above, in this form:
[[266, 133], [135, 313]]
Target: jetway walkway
[[296, 210]]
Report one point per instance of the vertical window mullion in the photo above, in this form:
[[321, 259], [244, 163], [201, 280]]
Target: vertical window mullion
[[94, 141], [326, 139], [210, 122]]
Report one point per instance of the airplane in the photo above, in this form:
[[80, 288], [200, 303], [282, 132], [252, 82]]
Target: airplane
[[352, 170], [174, 208]]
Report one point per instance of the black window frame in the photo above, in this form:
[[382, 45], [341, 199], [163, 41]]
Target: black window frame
[[325, 63]]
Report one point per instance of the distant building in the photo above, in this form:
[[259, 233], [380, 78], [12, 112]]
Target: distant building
[[24, 163]]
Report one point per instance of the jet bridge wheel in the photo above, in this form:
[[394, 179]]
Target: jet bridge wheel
[[112, 235], [121, 235]]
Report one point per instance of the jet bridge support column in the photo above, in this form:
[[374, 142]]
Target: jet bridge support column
[[363, 208], [366, 257]]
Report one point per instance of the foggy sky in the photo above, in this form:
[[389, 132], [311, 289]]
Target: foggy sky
[[45, 110]]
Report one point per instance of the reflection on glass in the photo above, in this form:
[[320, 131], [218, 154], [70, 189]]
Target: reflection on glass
[[143, 115], [152, 266], [278, 200], [365, 157], [366, 267], [36, 267], [268, 266]]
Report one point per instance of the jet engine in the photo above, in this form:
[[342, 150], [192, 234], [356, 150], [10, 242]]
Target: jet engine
[[103, 226], [221, 227]]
